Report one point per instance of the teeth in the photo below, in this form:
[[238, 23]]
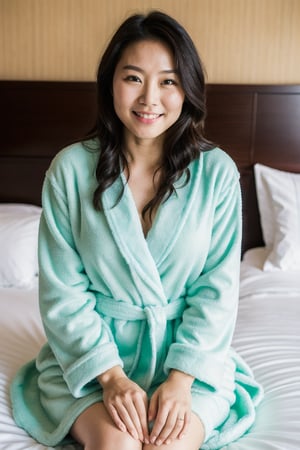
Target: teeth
[[147, 116]]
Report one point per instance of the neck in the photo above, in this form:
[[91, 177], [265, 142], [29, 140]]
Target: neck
[[145, 153]]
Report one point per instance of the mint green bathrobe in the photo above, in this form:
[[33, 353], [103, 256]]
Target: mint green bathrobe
[[109, 296]]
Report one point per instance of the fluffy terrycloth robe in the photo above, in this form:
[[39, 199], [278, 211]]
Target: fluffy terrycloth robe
[[109, 296]]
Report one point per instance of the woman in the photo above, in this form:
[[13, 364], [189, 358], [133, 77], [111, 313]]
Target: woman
[[139, 264]]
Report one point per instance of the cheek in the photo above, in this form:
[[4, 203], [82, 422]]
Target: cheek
[[123, 99], [120, 100], [175, 102]]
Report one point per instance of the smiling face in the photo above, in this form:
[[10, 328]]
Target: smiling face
[[147, 93]]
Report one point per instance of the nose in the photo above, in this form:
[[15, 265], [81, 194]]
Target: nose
[[150, 94]]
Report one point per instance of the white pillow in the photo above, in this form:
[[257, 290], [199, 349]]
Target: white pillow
[[18, 244], [278, 195]]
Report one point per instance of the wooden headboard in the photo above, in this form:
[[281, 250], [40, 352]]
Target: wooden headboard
[[253, 123]]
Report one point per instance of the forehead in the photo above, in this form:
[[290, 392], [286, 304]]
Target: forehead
[[149, 53]]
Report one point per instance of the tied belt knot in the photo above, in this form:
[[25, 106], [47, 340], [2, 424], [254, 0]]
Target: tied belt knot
[[156, 317]]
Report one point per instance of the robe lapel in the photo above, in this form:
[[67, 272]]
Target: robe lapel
[[172, 215], [127, 231], [144, 256]]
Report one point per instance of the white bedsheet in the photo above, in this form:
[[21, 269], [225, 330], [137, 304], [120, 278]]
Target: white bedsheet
[[267, 336], [21, 337]]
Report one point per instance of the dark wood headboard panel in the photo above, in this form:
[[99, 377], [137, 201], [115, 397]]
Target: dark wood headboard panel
[[255, 124], [252, 123], [37, 119]]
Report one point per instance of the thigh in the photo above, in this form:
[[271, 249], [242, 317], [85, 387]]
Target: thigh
[[191, 441], [95, 430]]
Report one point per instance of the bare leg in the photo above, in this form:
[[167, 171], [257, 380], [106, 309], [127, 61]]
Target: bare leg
[[95, 430], [191, 441]]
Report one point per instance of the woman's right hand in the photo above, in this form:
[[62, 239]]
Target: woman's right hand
[[126, 403]]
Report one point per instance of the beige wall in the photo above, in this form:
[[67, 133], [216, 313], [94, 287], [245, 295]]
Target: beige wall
[[240, 41]]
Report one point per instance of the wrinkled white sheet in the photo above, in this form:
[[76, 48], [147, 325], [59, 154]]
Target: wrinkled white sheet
[[21, 336], [267, 335]]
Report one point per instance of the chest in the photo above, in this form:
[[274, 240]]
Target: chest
[[143, 190]]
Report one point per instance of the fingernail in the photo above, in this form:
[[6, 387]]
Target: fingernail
[[135, 436], [168, 441], [153, 439]]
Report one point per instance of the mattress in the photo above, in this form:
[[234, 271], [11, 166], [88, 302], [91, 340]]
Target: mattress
[[267, 335]]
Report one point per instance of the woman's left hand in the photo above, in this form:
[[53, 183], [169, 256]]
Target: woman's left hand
[[170, 408]]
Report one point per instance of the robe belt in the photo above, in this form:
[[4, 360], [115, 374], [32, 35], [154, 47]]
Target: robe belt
[[156, 317]]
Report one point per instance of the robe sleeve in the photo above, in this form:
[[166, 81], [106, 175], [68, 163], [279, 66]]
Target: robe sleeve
[[80, 340], [204, 336]]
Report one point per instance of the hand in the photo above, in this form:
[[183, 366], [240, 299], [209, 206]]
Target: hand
[[126, 403], [170, 408]]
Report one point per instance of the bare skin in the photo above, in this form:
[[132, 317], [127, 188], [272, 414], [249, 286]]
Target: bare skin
[[95, 430], [121, 421], [148, 99]]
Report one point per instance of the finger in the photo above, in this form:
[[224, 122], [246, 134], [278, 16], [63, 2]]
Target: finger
[[130, 419], [159, 424], [177, 431], [153, 407], [136, 411], [116, 418], [141, 409], [187, 421], [171, 428]]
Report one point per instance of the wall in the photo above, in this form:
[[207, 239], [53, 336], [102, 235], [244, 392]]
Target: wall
[[240, 41]]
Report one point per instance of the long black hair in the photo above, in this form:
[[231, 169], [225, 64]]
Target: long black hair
[[184, 140]]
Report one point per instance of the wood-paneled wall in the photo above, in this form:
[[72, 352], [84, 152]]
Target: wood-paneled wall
[[240, 41]]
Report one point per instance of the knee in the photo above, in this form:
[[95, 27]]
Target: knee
[[106, 440], [95, 430], [123, 443], [192, 440]]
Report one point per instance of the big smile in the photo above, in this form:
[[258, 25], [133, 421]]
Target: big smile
[[147, 116]]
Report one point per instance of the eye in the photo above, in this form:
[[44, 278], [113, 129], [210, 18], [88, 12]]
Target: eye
[[170, 82], [133, 78]]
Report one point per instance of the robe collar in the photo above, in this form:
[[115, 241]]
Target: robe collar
[[144, 256]]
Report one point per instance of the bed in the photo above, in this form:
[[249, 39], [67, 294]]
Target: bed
[[259, 127]]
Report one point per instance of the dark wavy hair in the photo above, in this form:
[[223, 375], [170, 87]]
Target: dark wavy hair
[[184, 140]]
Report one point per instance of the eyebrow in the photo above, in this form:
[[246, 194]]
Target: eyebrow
[[138, 69]]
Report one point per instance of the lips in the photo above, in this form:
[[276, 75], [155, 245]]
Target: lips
[[147, 116]]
